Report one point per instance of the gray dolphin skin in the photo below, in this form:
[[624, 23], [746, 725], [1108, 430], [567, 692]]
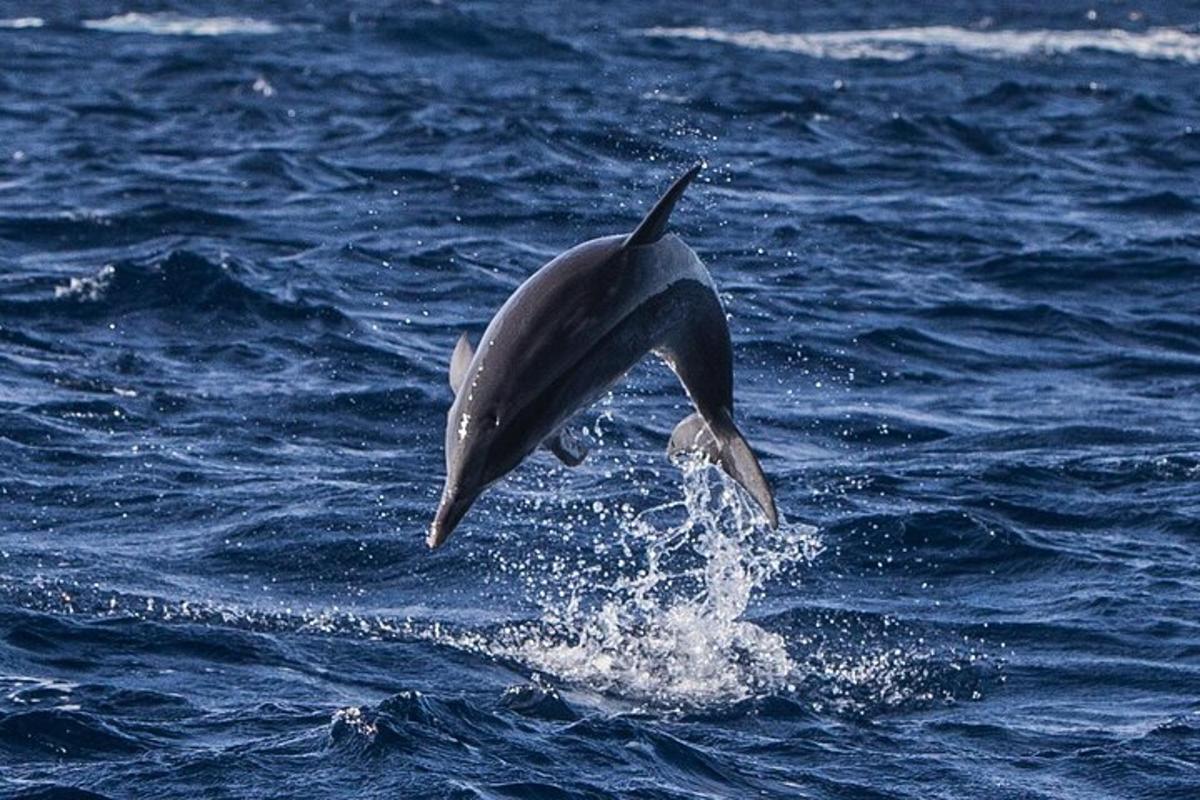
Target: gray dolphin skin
[[567, 334]]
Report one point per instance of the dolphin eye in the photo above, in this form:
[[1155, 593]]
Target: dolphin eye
[[490, 419]]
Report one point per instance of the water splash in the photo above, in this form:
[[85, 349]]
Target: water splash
[[660, 612], [659, 616]]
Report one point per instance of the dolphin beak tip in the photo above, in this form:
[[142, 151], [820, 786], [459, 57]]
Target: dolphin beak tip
[[444, 521], [434, 538], [452, 508]]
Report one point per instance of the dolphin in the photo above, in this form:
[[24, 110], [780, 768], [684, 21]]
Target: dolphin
[[571, 331]]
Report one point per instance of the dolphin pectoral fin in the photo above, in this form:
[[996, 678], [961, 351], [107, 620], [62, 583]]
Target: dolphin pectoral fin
[[654, 225], [693, 435], [567, 446], [460, 361]]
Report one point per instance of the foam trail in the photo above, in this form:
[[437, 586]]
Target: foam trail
[[22, 22], [901, 44], [178, 25]]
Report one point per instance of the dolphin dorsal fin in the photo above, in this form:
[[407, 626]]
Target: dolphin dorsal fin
[[654, 225], [460, 361]]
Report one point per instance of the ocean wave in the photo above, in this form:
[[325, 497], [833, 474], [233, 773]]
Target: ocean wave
[[959, 542], [440, 28], [441, 726], [60, 732], [411, 719], [55, 791], [901, 44], [945, 132], [1153, 203], [100, 229], [1061, 271], [538, 701], [183, 281], [166, 24]]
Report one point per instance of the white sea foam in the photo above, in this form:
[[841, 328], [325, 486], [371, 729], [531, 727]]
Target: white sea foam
[[900, 44], [22, 22], [88, 289], [178, 25]]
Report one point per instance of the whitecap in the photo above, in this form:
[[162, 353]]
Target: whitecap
[[178, 25], [900, 44], [22, 22], [89, 289]]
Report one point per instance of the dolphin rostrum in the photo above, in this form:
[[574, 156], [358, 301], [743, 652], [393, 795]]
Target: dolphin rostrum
[[572, 330]]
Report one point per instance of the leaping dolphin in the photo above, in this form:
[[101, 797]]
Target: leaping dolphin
[[569, 332]]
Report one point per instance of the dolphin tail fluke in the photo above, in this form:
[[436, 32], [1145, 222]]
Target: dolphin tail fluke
[[740, 463], [723, 444], [692, 435], [654, 225]]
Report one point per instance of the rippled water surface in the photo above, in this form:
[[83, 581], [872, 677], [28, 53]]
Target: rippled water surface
[[959, 251]]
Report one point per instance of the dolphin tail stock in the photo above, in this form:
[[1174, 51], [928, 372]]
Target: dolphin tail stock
[[723, 444], [654, 224]]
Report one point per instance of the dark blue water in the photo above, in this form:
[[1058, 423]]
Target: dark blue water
[[960, 250]]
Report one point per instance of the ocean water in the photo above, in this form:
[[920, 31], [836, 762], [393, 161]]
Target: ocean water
[[960, 252]]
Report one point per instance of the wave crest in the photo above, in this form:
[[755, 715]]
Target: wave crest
[[901, 44], [166, 24], [182, 282]]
